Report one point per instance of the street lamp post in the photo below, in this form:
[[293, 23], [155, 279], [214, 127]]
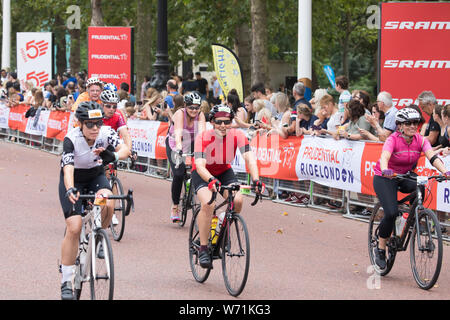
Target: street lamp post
[[162, 64]]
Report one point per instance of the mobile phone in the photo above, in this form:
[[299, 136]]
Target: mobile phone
[[139, 103]]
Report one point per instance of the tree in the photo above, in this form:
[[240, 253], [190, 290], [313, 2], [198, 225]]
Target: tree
[[260, 63], [97, 14]]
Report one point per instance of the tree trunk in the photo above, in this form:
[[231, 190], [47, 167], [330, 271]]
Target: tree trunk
[[346, 43], [60, 41], [143, 43], [260, 61], [75, 45], [97, 14], [243, 48]]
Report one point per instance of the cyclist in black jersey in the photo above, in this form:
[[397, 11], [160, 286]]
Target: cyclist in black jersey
[[85, 152]]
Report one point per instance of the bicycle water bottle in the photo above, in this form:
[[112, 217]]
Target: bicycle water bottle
[[214, 235], [400, 223], [219, 223], [188, 185]]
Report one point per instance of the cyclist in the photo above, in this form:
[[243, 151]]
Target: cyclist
[[186, 123], [94, 88], [84, 155], [400, 154], [214, 150]]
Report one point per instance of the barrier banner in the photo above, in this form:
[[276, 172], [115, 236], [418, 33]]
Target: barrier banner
[[148, 138], [58, 124], [16, 117], [276, 157], [110, 55], [4, 116], [334, 163], [34, 57], [406, 69], [38, 126]]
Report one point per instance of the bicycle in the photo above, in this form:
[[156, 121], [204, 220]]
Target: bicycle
[[90, 264], [232, 244], [117, 225], [187, 195], [422, 228]]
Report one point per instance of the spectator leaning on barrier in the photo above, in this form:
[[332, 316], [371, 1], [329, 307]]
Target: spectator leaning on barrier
[[305, 120], [318, 94], [357, 121], [431, 129], [282, 124], [384, 101], [298, 92]]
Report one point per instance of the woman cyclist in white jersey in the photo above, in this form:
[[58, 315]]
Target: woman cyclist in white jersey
[[84, 155]]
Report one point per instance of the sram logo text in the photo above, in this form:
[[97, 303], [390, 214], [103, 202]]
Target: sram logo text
[[419, 25], [418, 64]]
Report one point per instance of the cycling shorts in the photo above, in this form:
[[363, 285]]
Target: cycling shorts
[[98, 182], [226, 178]]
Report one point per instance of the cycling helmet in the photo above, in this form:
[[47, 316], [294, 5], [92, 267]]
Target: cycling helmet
[[110, 86], [407, 115], [109, 96], [89, 110], [192, 98], [94, 80], [221, 111]]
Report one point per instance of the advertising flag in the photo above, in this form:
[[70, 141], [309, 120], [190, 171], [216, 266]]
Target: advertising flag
[[228, 70]]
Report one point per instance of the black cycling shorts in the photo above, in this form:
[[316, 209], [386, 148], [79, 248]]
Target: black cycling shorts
[[97, 183], [226, 178]]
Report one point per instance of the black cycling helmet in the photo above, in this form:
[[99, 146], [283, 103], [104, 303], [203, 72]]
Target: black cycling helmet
[[221, 111], [192, 98], [89, 110], [407, 115]]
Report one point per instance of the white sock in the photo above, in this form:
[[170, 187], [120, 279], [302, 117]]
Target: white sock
[[67, 273]]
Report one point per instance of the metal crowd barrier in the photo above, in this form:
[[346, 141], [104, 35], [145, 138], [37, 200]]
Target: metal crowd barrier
[[317, 196]]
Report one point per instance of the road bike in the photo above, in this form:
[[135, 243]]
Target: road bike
[[187, 195], [422, 228], [117, 225], [231, 245], [94, 262]]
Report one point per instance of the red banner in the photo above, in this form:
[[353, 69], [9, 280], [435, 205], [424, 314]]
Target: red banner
[[111, 54], [57, 125], [16, 119], [160, 148], [415, 51]]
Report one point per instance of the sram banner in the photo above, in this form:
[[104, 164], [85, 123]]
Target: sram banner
[[415, 50], [34, 57], [110, 55]]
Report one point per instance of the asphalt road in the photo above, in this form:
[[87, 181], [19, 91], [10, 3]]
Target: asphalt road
[[296, 253]]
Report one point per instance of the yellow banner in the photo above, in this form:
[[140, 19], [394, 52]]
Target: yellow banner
[[228, 70]]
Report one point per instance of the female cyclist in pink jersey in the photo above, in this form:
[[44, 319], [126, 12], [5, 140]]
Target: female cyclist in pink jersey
[[400, 154]]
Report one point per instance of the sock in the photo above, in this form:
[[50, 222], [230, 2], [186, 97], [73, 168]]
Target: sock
[[203, 248], [67, 273]]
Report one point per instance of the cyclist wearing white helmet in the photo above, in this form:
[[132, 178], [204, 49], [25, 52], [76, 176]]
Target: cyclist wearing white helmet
[[94, 87], [114, 118], [400, 154], [186, 124]]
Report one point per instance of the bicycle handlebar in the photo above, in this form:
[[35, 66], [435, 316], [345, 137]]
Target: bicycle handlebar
[[235, 187], [128, 197], [438, 178]]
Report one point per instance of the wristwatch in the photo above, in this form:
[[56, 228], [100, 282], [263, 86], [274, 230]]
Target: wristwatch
[[348, 135]]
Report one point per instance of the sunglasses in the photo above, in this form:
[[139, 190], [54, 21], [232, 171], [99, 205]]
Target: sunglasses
[[194, 108], [409, 123], [91, 124], [225, 122], [110, 106]]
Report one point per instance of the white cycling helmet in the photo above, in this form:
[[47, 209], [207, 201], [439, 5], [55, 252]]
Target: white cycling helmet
[[109, 96], [407, 115], [94, 80], [192, 98]]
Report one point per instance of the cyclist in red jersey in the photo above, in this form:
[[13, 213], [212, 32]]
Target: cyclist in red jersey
[[113, 118], [214, 150]]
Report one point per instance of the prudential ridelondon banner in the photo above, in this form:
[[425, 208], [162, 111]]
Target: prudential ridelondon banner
[[34, 57], [228, 70]]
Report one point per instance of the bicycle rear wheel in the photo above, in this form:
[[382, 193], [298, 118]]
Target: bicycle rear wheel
[[200, 274], [117, 225], [374, 222], [102, 269], [185, 198], [426, 256], [235, 255]]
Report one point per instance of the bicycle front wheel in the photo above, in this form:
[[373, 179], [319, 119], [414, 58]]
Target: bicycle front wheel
[[185, 199], [235, 255], [426, 249], [102, 268], [117, 225], [200, 274], [374, 223]]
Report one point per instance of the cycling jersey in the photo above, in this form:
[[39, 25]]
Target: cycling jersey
[[404, 156], [219, 152], [116, 122], [84, 97], [78, 153]]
